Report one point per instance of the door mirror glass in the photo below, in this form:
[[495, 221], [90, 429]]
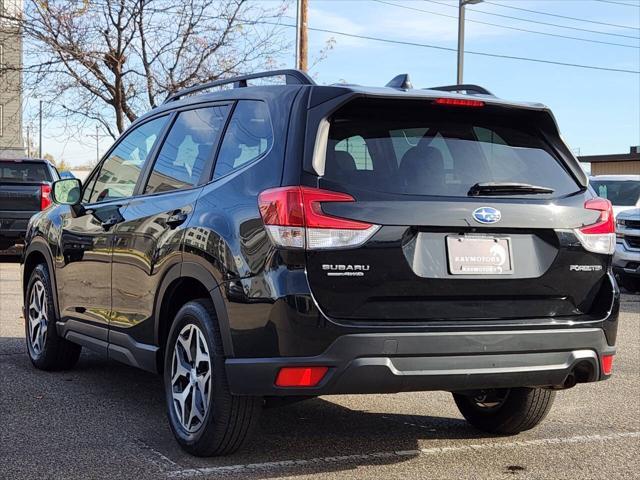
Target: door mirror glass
[[67, 191]]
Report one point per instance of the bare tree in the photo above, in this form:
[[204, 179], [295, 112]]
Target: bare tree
[[108, 61]]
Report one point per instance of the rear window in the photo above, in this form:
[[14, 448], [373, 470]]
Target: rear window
[[422, 150], [619, 192], [24, 172]]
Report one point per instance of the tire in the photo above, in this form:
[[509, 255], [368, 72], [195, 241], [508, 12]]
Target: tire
[[222, 421], [511, 411], [631, 284], [46, 349]]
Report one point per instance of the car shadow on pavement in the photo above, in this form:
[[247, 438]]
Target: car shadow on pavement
[[101, 402]]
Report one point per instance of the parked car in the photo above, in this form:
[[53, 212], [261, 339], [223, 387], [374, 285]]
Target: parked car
[[289, 241], [626, 259], [25, 189], [623, 191], [67, 174]]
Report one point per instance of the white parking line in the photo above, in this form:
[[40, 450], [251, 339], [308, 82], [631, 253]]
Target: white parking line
[[247, 468]]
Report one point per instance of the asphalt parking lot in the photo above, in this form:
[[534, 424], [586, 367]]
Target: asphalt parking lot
[[106, 420]]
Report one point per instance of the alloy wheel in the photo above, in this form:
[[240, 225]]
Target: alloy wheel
[[191, 378], [38, 320]]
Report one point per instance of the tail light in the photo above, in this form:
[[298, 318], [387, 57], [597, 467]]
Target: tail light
[[293, 217], [45, 196], [300, 376], [599, 237]]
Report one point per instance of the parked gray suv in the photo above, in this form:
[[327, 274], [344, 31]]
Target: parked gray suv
[[626, 259]]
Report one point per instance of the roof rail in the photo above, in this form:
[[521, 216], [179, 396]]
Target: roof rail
[[468, 88], [292, 77]]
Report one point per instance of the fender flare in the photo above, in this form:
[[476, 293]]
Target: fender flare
[[206, 278], [39, 245]]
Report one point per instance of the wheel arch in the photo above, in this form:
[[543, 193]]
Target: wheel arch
[[37, 253], [182, 283]]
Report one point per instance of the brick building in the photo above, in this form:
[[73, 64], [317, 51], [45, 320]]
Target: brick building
[[11, 142]]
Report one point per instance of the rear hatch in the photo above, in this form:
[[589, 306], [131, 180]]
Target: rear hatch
[[22, 187], [477, 216]]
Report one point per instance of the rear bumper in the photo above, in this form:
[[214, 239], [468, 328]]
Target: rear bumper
[[388, 363], [13, 227], [11, 238]]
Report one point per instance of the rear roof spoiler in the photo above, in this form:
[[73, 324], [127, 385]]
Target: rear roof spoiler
[[466, 88]]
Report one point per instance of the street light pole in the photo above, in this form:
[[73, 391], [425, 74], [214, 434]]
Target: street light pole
[[461, 5]]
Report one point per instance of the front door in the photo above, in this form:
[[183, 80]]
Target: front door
[[83, 270]]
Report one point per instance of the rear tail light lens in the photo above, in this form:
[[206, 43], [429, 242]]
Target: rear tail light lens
[[458, 102], [293, 217], [599, 237], [300, 376], [607, 364], [45, 196]]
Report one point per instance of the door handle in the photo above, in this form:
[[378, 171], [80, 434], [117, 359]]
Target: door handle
[[109, 222], [177, 219]]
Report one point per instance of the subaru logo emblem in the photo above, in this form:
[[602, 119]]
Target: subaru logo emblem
[[487, 215]]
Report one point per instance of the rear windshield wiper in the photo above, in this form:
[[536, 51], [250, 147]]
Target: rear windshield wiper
[[506, 188]]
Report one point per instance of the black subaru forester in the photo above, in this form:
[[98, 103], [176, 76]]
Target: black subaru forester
[[298, 240]]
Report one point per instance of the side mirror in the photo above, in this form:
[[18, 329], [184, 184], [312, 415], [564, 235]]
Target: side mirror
[[67, 191]]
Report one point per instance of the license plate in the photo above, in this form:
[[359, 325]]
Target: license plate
[[479, 255]]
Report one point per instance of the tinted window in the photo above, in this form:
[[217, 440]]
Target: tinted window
[[120, 171], [619, 192], [24, 172], [248, 137], [188, 148], [423, 151]]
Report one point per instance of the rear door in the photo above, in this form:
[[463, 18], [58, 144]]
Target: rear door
[[444, 252], [148, 240]]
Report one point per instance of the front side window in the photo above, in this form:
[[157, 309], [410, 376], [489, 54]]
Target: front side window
[[356, 147], [120, 171], [248, 137], [187, 150]]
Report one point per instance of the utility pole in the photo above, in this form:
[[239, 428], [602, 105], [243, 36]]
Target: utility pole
[[302, 49], [28, 141], [461, 5], [97, 136], [40, 131], [297, 49]]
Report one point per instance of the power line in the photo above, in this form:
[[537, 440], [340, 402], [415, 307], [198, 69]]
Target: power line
[[535, 21], [619, 3], [560, 16], [449, 49], [508, 27]]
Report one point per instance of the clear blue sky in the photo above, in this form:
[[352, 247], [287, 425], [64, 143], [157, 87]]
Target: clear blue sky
[[598, 111]]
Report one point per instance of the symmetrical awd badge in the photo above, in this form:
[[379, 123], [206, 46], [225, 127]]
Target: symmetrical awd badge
[[487, 215]]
